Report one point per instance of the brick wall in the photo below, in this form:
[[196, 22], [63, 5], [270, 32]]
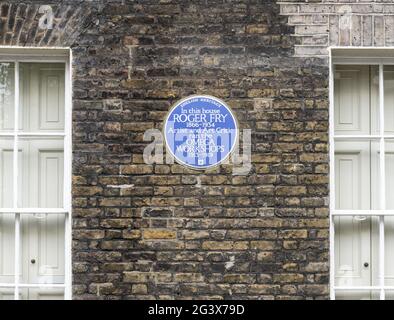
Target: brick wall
[[322, 23], [163, 231]]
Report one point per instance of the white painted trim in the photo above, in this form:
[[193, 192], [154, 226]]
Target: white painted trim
[[370, 56], [46, 49], [363, 60], [31, 59], [382, 181], [49, 55], [33, 285], [362, 55], [34, 54], [33, 210], [32, 134], [332, 178], [28, 51], [362, 137], [67, 202], [364, 288], [333, 48], [377, 213], [15, 182], [355, 137]]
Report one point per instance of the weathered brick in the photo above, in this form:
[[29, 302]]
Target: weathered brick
[[158, 234], [262, 245], [139, 228], [88, 234], [136, 169], [224, 245], [293, 234], [288, 278], [188, 277], [139, 289]]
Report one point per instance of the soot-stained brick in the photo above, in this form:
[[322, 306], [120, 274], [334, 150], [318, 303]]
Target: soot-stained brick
[[163, 231]]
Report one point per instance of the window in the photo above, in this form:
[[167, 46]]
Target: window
[[35, 175], [362, 174]]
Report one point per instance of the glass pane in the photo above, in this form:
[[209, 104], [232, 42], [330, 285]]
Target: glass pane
[[6, 96], [388, 250], [356, 165], [41, 172], [389, 294], [353, 262], [42, 96], [6, 172], [388, 99], [356, 100], [389, 173], [357, 295], [43, 250], [6, 293], [374, 97], [42, 294], [374, 247], [7, 248]]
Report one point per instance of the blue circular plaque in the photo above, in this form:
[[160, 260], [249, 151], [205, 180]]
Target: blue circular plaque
[[200, 131]]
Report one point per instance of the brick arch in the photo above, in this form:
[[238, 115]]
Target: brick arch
[[20, 24], [317, 24]]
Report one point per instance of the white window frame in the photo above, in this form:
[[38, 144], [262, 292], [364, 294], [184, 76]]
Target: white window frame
[[51, 55], [377, 56]]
